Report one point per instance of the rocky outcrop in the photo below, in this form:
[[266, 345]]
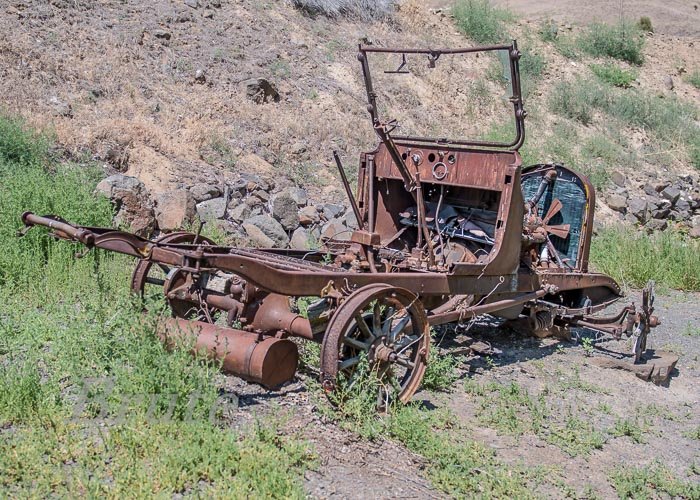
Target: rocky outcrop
[[132, 203]]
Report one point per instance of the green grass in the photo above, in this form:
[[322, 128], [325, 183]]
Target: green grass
[[441, 372], [614, 75], [633, 257], [651, 482], [694, 79], [669, 120], [480, 21], [63, 319], [454, 463], [622, 41]]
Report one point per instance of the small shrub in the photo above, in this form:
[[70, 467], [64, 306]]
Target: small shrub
[[441, 372], [694, 79], [578, 99], [548, 31], [480, 21], [622, 41], [20, 144], [567, 47], [365, 10], [614, 75], [644, 24]]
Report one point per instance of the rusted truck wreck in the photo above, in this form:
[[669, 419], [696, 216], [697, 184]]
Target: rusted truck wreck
[[448, 230]]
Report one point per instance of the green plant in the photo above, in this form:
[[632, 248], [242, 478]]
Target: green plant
[[578, 99], [63, 319], [644, 24], [548, 31], [623, 41], [633, 258], [693, 433], [441, 372], [650, 481], [614, 75], [694, 78], [629, 428], [480, 21], [587, 344]]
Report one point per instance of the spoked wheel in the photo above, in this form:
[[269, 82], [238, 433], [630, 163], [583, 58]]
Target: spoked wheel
[[642, 324], [385, 327], [150, 280]]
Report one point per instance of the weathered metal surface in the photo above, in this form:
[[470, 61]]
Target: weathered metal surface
[[266, 360]]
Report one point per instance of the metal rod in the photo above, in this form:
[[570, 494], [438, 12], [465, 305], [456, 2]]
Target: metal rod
[[348, 190], [471, 312]]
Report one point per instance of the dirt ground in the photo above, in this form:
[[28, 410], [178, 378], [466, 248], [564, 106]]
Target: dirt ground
[[573, 387]]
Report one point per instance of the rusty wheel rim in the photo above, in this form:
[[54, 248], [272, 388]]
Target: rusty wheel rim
[[387, 326], [152, 280]]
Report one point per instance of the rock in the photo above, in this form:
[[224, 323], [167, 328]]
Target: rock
[[253, 163], [297, 148], [212, 209], [162, 34], [299, 195], [332, 210], [257, 237], [309, 215], [200, 76], [270, 227], [284, 209], [60, 107], [668, 82], [261, 90], [335, 230], [300, 239], [192, 3], [617, 202], [239, 212], [132, 203], [660, 185], [671, 193], [238, 187], [204, 192], [639, 208], [252, 201], [618, 178], [683, 207], [174, 209], [350, 220], [650, 190], [261, 195], [660, 213], [694, 232], [656, 225]]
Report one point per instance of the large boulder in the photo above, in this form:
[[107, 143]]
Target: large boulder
[[284, 209], [617, 202], [257, 237], [212, 209], [270, 228], [300, 239], [639, 208], [132, 203], [174, 209], [336, 231], [204, 192], [309, 215]]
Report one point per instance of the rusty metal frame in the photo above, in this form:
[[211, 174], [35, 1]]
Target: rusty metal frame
[[516, 99]]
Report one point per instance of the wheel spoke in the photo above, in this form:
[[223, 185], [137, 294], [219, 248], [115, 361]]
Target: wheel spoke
[[405, 363], [377, 318], [155, 281], [344, 365], [387, 322], [400, 325], [363, 327], [165, 268], [356, 343]]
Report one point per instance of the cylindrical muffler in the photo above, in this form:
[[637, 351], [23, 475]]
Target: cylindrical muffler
[[268, 361]]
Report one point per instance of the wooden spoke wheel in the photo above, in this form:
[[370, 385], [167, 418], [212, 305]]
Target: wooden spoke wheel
[[388, 327], [151, 280]]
